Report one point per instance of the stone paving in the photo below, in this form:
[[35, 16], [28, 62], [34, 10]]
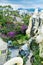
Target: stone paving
[[28, 61]]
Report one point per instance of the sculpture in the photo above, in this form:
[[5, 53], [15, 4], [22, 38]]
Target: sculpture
[[15, 60]]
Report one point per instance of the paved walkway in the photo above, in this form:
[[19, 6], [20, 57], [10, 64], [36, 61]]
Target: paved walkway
[[28, 61]]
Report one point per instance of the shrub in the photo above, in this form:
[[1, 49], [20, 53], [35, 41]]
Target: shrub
[[15, 43], [4, 30]]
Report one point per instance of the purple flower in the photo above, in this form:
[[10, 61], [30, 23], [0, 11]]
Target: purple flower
[[23, 28], [11, 34]]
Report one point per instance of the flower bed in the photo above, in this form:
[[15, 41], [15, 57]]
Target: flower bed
[[14, 32]]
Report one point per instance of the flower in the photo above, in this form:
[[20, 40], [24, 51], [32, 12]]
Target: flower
[[11, 34], [23, 28]]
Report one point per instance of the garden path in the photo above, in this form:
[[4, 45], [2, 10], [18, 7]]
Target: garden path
[[28, 61]]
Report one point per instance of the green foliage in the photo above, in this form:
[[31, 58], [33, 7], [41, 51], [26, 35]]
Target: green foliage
[[22, 37], [24, 60], [17, 28], [35, 48], [37, 60], [15, 13], [4, 30], [26, 18], [19, 40], [15, 43]]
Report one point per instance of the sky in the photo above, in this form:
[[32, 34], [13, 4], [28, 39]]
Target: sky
[[23, 3]]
